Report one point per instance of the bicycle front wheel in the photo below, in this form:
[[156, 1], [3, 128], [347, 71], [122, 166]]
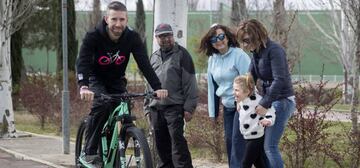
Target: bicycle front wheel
[[80, 142], [137, 152]]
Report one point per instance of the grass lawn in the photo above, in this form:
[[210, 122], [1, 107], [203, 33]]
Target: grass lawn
[[25, 121]]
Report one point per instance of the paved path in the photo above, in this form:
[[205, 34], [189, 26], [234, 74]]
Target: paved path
[[44, 149], [7, 160], [48, 151], [339, 116]]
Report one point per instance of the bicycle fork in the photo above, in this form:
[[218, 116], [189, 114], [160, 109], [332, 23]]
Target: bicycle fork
[[137, 152], [122, 154]]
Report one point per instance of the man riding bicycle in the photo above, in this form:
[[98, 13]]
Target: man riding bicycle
[[104, 56]]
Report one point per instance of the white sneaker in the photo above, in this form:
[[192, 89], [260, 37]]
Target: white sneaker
[[90, 161]]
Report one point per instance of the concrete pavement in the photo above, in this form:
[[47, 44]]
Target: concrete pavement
[[40, 148], [48, 151], [7, 160]]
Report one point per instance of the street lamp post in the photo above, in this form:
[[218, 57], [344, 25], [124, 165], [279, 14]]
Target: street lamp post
[[65, 92]]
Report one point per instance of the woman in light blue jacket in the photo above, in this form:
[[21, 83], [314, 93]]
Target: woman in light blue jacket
[[226, 61]]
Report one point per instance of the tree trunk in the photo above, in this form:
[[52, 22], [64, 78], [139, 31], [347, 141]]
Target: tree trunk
[[280, 31], [58, 34], [355, 112], [95, 16], [72, 42], [173, 12], [346, 94], [238, 12], [140, 26], [13, 13], [17, 62], [6, 106], [42, 122], [193, 4], [347, 52], [47, 61], [355, 98]]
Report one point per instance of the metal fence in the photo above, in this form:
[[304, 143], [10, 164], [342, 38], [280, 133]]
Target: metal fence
[[202, 77], [315, 78]]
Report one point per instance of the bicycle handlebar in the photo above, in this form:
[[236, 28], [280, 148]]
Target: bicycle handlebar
[[127, 96]]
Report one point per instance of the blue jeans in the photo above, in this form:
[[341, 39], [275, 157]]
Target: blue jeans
[[284, 109], [235, 143]]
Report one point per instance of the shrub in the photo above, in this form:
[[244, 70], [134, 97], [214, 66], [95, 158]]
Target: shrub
[[306, 138], [42, 97], [204, 133], [39, 95]]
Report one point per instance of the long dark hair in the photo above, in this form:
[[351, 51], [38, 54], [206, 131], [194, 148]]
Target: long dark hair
[[205, 44]]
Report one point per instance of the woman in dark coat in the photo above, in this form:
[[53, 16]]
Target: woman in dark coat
[[269, 66]]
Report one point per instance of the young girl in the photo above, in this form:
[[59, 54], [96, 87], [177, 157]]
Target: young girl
[[251, 124]]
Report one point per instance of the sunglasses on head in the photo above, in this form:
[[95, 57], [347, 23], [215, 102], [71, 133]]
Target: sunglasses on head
[[219, 37]]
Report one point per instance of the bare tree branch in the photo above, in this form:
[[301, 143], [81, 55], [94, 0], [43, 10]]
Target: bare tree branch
[[14, 14], [335, 41]]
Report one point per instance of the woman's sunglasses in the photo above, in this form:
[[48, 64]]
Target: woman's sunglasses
[[219, 37], [246, 40]]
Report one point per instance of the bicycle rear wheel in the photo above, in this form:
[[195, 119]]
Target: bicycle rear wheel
[[80, 142], [137, 152]]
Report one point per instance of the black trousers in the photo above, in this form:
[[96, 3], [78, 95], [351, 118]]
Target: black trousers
[[98, 115], [254, 153], [171, 144]]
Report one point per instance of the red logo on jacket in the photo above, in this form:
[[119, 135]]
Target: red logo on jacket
[[111, 58]]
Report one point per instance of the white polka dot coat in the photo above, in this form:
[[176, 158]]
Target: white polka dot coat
[[250, 127]]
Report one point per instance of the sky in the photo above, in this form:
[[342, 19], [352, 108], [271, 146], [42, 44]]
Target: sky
[[204, 5]]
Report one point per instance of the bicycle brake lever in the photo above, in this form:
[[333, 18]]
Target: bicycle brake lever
[[150, 95]]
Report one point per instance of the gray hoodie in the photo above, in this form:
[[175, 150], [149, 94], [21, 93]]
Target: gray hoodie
[[176, 72]]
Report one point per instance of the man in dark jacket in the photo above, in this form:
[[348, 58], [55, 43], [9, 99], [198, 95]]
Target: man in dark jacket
[[175, 69], [101, 66]]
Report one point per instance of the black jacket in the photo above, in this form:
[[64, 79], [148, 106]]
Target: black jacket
[[270, 65], [106, 61]]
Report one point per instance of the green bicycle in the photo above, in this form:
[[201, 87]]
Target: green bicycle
[[122, 145]]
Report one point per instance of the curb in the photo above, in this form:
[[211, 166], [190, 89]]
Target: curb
[[22, 156], [72, 140], [25, 157]]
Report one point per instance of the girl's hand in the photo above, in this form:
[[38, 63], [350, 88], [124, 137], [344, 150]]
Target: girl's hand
[[260, 110], [265, 122]]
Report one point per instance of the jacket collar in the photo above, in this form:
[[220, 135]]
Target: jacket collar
[[173, 50], [268, 42], [226, 54]]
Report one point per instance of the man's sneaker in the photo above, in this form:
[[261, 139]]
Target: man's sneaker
[[90, 161]]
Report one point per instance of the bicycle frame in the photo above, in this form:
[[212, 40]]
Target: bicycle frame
[[109, 150], [118, 132]]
